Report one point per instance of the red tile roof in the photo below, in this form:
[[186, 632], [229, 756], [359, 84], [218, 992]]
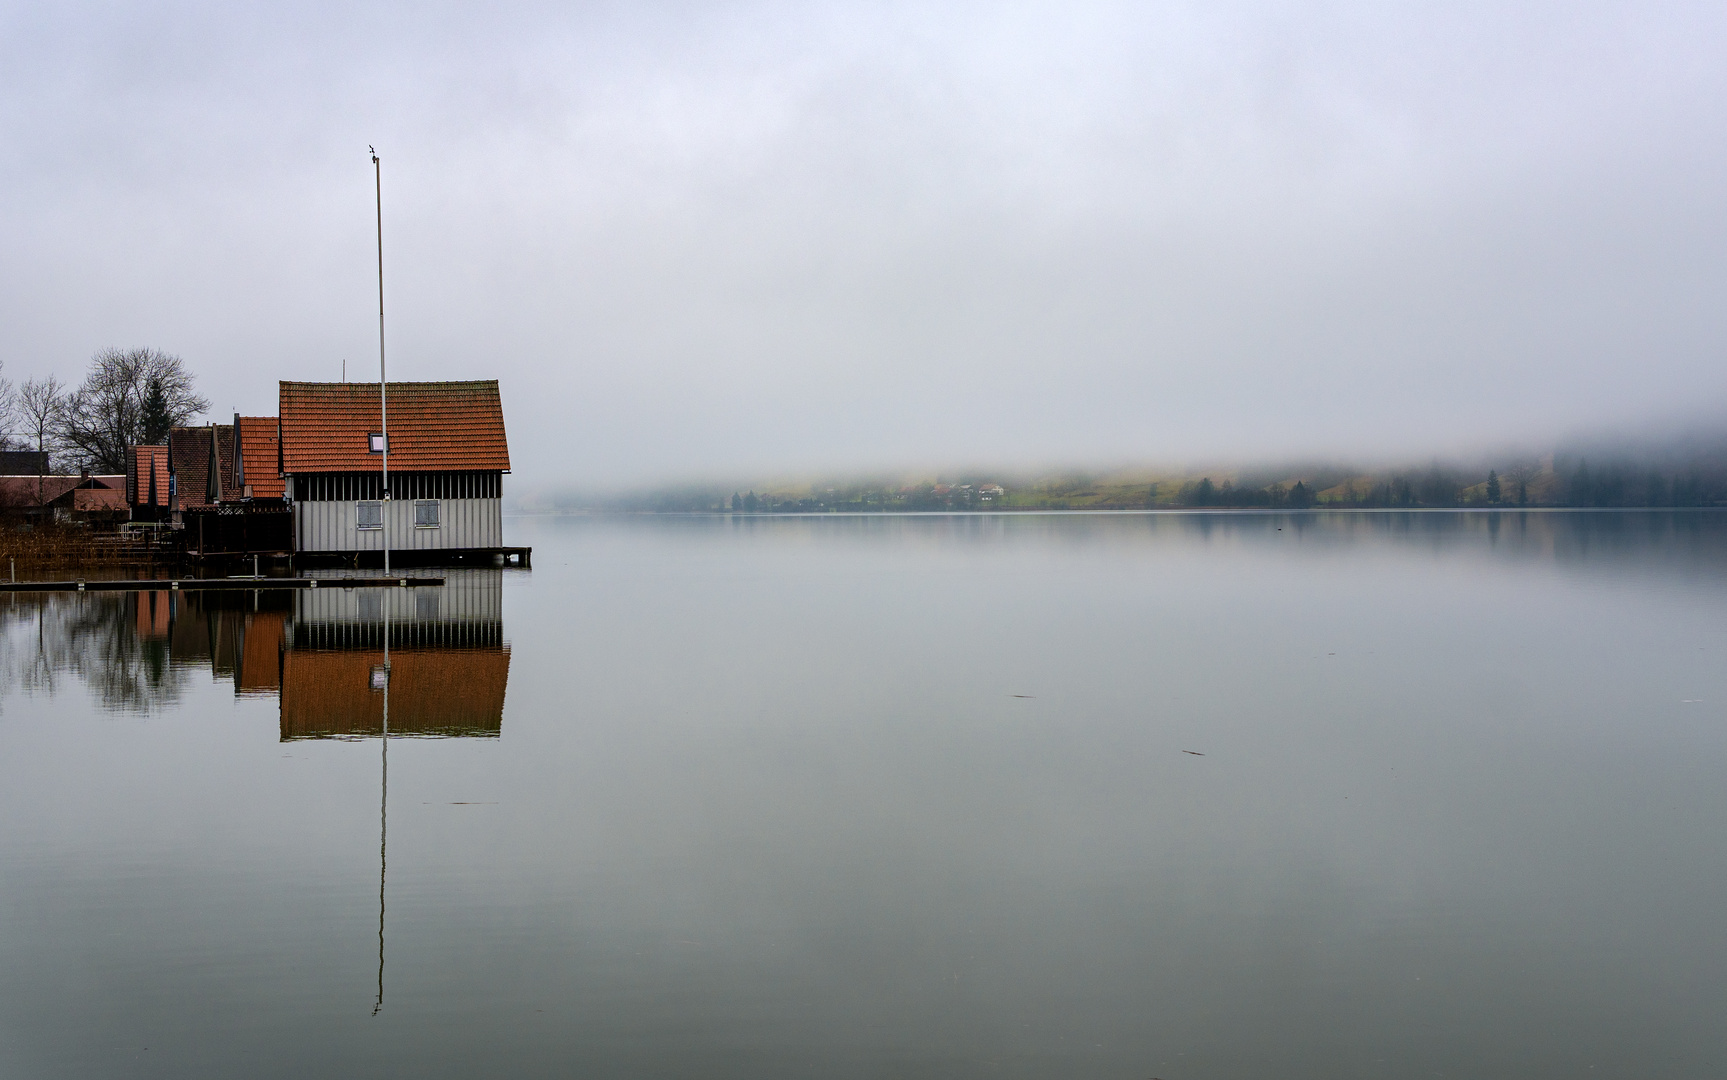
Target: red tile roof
[[88, 492], [19, 492], [261, 456], [140, 464], [434, 427], [99, 498]]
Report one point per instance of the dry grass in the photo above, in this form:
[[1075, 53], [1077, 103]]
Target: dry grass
[[71, 549]]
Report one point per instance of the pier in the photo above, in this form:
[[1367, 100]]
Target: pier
[[234, 584]]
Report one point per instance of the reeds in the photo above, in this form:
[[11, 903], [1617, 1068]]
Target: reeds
[[60, 547]]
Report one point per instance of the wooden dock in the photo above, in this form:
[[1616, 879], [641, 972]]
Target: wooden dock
[[231, 584]]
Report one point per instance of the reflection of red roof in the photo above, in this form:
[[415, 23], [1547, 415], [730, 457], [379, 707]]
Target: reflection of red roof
[[260, 456], [153, 608], [328, 694], [141, 463], [260, 667], [434, 426]]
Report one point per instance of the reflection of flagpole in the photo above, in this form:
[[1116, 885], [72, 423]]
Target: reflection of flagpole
[[383, 805]]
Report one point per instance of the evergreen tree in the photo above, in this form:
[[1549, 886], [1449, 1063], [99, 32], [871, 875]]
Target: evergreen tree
[[157, 417], [1492, 486], [1300, 496]]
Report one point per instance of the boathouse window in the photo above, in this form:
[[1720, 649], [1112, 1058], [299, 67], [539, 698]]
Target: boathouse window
[[426, 514], [375, 442], [369, 515]]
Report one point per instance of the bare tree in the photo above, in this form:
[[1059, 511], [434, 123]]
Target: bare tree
[[1520, 473], [40, 405], [8, 411], [126, 392]]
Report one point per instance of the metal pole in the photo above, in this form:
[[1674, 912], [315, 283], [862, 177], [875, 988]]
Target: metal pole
[[383, 381]]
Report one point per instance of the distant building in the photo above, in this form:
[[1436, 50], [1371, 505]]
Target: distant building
[[23, 463], [448, 454], [94, 499]]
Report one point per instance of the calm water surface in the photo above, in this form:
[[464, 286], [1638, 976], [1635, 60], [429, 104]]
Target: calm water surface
[[1176, 796]]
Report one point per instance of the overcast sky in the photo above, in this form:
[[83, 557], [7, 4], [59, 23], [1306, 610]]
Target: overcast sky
[[717, 239]]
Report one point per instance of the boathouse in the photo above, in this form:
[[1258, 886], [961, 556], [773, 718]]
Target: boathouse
[[447, 458]]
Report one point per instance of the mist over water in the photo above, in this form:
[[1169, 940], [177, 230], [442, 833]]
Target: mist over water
[[1174, 795], [758, 238]]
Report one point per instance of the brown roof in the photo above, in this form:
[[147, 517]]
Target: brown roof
[[141, 463], [328, 694], [99, 498], [189, 453], [98, 492], [261, 456], [20, 491], [434, 426], [227, 487]]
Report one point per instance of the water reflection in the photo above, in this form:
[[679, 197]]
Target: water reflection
[[118, 645], [1611, 541], [904, 797], [320, 652]]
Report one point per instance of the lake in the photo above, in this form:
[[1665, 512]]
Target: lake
[[1179, 795]]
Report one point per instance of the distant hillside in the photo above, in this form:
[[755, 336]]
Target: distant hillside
[[1680, 473]]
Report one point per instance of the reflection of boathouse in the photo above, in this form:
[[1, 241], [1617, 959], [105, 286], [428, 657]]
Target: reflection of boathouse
[[321, 651], [448, 660]]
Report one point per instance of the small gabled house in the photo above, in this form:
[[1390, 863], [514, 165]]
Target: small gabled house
[[147, 482], [447, 455], [90, 499]]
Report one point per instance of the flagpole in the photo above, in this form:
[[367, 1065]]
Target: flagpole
[[383, 382]]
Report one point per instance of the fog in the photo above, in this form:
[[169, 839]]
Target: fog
[[707, 239]]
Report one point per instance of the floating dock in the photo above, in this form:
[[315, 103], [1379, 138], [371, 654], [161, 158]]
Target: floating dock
[[234, 584]]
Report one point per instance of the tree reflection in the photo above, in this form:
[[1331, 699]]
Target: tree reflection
[[48, 639]]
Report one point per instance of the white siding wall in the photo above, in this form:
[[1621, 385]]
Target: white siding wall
[[466, 596], [465, 523]]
